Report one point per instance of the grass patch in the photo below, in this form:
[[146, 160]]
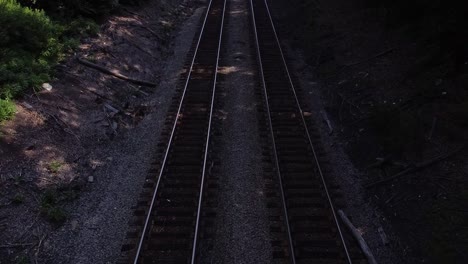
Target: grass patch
[[55, 166], [7, 109], [52, 201]]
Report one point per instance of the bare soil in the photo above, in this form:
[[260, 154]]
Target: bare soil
[[392, 96], [74, 158]]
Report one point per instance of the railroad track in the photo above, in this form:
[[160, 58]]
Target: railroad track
[[172, 214], [310, 224], [168, 221]]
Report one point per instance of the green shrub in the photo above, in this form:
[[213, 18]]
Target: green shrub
[[81, 27], [30, 45], [73, 8], [7, 109]]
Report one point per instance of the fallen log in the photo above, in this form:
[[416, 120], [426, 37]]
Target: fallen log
[[416, 167], [362, 243], [115, 73]]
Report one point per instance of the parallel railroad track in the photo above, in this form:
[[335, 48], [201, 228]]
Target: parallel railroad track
[[170, 230], [168, 218], [310, 223]]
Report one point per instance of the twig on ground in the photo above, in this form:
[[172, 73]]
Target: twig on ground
[[434, 122], [38, 247], [138, 90], [131, 12], [115, 73], [379, 162], [152, 32], [15, 245], [362, 243], [142, 49], [340, 111], [385, 52], [111, 108], [325, 117], [416, 167], [62, 124], [27, 228]]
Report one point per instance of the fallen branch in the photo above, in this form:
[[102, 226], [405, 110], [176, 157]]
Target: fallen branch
[[434, 122], [325, 118], [379, 162], [138, 90], [416, 167], [131, 12], [362, 243], [152, 32], [142, 49], [115, 73], [385, 52], [15, 245]]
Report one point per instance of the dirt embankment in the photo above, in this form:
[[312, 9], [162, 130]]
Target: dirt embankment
[[73, 159], [394, 85]]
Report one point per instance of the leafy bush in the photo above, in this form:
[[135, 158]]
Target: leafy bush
[[7, 109], [30, 45], [73, 8]]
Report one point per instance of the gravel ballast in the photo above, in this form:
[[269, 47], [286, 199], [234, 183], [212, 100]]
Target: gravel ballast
[[242, 225]]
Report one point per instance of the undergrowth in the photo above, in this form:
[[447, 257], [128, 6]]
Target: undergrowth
[[50, 207], [31, 44]]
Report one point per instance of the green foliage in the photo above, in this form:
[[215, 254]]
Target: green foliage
[[7, 109], [82, 27], [31, 44], [29, 47], [73, 8], [55, 166], [50, 208]]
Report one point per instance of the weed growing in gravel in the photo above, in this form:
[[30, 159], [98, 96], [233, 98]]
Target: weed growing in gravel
[[18, 199], [50, 208], [23, 259], [18, 179], [55, 166]]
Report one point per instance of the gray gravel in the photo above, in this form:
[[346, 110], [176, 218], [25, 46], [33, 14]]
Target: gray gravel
[[242, 224], [98, 225]]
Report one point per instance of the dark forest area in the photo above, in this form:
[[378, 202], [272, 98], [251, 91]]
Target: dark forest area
[[394, 78], [442, 24]]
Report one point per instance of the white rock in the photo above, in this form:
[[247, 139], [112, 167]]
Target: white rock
[[47, 86], [91, 179]]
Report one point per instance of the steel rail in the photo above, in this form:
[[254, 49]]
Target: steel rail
[[145, 227], [332, 208], [200, 199], [285, 209]]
